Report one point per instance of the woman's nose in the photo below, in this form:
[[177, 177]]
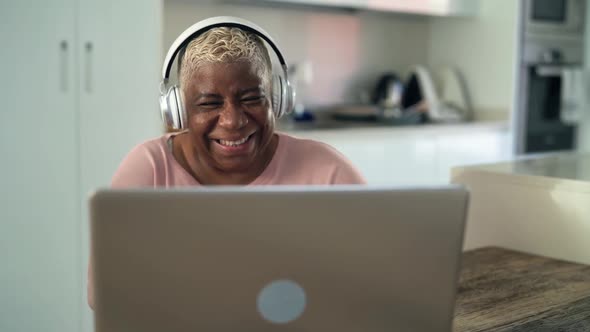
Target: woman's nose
[[232, 117]]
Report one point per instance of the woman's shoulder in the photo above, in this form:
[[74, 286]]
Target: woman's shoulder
[[142, 163], [319, 161], [155, 146]]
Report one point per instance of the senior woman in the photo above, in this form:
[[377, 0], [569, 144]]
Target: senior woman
[[225, 78]]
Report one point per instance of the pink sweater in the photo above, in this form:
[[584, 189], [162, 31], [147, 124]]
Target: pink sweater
[[296, 162]]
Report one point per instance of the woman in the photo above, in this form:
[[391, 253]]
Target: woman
[[225, 77]]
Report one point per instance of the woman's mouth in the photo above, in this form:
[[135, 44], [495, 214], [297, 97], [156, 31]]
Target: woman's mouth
[[233, 147], [233, 143]]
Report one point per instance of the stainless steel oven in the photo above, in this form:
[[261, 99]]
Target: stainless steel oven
[[551, 82]]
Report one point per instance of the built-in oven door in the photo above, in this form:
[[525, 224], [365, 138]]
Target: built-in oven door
[[555, 17], [545, 130]]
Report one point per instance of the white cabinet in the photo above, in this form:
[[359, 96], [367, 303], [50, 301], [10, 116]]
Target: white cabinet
[[39, 226], [423, 7], [120, 56], [388, 160], [478, 147], [80, 89], [417, 156], [428, 7]]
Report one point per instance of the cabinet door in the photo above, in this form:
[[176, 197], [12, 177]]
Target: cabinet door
[[39, 224], [120, 62], [382, 156]]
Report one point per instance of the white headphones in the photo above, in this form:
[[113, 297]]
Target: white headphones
[[171, 103]]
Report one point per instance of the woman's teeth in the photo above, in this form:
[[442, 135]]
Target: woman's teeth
[[233, 143]]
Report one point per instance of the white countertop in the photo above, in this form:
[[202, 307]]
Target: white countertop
[[571, 169], [538, 204]]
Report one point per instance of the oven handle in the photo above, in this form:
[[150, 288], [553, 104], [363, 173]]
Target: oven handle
[[549, 71]]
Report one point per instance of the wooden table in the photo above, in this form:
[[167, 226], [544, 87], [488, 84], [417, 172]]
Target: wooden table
[[504, 290]]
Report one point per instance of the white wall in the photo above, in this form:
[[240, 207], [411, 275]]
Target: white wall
[[484, 48], [348, 50]]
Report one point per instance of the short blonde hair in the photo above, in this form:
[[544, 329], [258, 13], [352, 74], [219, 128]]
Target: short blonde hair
[[225, 45]]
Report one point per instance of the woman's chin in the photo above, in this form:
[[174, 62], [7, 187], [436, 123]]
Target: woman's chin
[[234, 166]]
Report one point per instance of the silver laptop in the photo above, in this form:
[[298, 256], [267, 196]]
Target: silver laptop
[[343, 258]]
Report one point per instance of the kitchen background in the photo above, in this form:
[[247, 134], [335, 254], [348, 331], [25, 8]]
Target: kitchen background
[[348, 50], [81, 90]]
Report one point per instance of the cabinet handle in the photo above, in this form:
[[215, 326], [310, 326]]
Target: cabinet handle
[[88, 55], [63, 66]]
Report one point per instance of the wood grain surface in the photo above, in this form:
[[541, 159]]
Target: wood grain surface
[[505, 290]]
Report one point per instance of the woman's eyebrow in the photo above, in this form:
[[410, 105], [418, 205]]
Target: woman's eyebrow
[[206, 95], [253, 89]]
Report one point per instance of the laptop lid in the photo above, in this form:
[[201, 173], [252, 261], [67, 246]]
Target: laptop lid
[[342, 258]]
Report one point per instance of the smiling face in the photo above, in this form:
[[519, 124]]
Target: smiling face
[[230, 120]]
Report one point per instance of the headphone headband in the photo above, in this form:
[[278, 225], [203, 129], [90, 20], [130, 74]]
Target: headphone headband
[[214, 22]]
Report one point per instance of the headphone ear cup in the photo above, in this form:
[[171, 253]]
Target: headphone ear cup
[[166, 111], [288, 98], [283, 96], [277, 94], [172, 109], [176, 95]]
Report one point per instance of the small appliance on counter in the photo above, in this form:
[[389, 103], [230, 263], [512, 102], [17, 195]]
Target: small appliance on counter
[[387, 98], [388, 91], [441, 96]]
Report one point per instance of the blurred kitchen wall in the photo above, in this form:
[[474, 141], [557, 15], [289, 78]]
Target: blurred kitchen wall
[[347, 50], [484, 48]]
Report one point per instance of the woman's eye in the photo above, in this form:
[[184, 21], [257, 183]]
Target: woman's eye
[[253, 100], [209, 105]]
